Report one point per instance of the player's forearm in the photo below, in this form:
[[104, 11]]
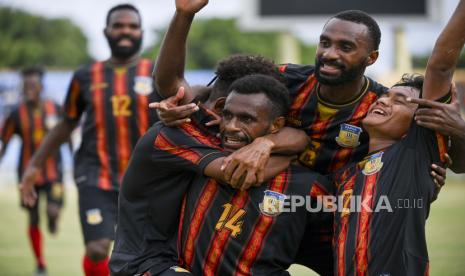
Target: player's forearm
[[446, 51], [288, 141], [275, 165], [169, 67], [51, 143], [457, 152]]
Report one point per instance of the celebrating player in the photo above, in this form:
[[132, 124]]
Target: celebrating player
[[31, 121], [146, 192], [226, 231], [386, 236], [114, 95], [329, 99]]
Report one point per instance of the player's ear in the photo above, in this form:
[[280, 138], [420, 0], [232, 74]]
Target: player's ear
[[372, 57], [219, 105], [278, 124], [105, 32]]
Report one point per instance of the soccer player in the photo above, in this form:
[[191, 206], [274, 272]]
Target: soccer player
[[227, 231], [31, 121], [113, 94], [329, 100], [386, 235], [150, 199]]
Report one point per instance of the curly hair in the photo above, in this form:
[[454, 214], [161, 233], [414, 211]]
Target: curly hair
[[237, 66], [122, 7], [33, 70], [274, 90], [361, 17], [414, 81]]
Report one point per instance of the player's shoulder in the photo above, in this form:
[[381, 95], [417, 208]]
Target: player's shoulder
[[376, 87], [86, 69], [297, 70], [145, 62]]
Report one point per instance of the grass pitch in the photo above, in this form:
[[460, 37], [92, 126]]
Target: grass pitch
[[445, 234]]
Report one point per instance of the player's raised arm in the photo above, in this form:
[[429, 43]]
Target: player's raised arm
[[170, 63], [441, 64]]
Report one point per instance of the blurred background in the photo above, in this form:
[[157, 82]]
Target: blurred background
[[63, 35]]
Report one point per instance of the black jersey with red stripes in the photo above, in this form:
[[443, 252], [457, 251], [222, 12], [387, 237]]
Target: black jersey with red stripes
[[115, 100], [231, 232], [32, 123], [162, 166], [335, 130], [385, 201]]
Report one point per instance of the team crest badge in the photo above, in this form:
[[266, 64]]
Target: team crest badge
[[349, 136], [57, 191], [143, 85], [94, 216], [51, 122], [272, 204], [374, 164]]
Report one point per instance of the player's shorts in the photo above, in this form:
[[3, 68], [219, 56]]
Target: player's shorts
[[98, 210], [172, 271], [54, 192]]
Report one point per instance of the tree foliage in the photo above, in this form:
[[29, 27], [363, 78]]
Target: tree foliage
[[420, 61], [214, 39], [28, 39]]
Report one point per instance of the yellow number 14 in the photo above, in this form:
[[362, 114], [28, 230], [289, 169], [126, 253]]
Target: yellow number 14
[[230, 219]]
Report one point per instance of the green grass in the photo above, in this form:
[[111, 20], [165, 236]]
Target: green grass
[[445, 234]]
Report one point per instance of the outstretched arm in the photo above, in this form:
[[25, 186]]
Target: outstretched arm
[[169, 67], [57, 136], [447, 120], [441, 64]]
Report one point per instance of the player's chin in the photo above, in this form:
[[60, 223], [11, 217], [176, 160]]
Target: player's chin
[[374, 121]]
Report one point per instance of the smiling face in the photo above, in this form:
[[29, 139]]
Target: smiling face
[[344, 51], [32, 86], [245, 117], [124, 33], [391, 115]]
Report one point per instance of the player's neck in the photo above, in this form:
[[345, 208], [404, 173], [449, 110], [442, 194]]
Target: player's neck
[[343, 93], [378, 142], [33, 104], [117, 61]]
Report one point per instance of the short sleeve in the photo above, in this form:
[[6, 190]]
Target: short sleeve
[[185, 148], [74, 104]]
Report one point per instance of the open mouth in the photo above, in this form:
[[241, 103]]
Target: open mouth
[[330, 69], [234, 142], [125, 42]]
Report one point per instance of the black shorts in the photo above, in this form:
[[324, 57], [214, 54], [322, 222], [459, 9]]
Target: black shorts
[[54, 193], [97, 211]]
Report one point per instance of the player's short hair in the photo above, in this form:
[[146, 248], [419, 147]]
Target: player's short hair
[[237, 66], [122, 7], [412, 80], [274, 90], [361, 17], [33, 70]]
